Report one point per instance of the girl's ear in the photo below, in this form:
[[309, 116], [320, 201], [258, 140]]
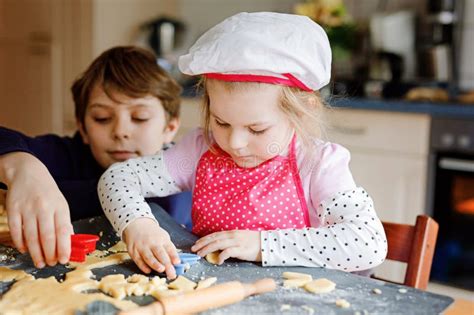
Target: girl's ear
[[171, 129], [82, 131]]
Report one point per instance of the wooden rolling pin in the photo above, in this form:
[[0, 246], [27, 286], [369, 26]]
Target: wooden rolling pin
[[204, 299]]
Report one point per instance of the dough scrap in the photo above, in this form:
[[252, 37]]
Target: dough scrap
[[32, 296], [296, 275], [285, 307], [7, 274], [213, 257], [206, 283], [182, 284], [48, 296], [377, 291], [309, 309], [159, 294], [118, 287], [98, 261], [138, 278], [342, 303], [120, 247], [295, 283], [321, 285]]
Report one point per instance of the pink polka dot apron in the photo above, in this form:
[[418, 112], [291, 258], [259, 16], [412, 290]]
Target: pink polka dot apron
[[266, 197]]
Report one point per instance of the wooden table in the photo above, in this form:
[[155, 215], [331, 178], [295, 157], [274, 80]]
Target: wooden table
[[460, 307]]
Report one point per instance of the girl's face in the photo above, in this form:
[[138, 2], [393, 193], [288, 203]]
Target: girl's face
[[125, 128], [248, 124]]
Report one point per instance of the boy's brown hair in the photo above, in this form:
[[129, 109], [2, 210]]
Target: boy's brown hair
[[129, 70]]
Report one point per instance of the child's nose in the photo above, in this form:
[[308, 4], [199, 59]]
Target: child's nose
[[237, 140], [121, 129]]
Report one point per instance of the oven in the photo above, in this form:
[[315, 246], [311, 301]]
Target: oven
[[451, 200]]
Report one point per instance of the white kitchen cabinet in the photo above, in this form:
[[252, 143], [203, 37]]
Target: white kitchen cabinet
[[389, 158]]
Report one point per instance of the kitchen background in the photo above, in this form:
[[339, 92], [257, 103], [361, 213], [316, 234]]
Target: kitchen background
[[402, 92]]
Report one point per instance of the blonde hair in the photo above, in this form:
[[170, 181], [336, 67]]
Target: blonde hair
[[304, 110]]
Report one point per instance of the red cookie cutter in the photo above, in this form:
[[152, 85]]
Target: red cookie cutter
[[82, 244]]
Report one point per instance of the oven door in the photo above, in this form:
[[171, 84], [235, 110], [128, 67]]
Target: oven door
[[453, 209]]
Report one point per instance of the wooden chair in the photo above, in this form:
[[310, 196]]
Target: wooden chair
[[415, 246]]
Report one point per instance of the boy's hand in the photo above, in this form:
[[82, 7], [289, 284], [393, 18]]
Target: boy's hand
[[241, 244], [150, 247], [38, 214]]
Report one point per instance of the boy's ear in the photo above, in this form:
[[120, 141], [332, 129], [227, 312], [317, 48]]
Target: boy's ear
[[171, 129], [83, 132]]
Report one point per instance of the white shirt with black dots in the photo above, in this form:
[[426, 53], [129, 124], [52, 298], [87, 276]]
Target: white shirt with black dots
[[345, 232]]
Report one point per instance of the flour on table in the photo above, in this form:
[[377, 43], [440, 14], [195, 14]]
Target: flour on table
[[285, 307], [310, 310]]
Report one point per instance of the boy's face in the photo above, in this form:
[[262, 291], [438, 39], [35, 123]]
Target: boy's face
[[248, 124], [126, 128]]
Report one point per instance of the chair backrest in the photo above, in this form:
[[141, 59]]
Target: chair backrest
[[415, 246]]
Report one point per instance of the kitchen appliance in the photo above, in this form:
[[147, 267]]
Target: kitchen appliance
[[451, 200], [393, 34], [164, 35], [438, 50]]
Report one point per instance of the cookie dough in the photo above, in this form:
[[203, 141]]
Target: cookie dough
[[206, 283], [182, 284], [96, 260], [30, 296], [295, 283], [120, 247], [213, 257], [296, 275], [48, 296], [7, 274], [321, 285], [342, 303]]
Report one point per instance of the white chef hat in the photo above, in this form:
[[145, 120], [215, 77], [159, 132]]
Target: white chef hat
[[265, 47]]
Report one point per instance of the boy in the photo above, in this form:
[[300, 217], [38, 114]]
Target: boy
[[125, 106]]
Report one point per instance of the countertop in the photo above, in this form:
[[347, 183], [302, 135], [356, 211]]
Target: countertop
[[445, 110]]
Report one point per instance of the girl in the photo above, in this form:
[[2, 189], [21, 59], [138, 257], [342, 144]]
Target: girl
[[264, 187]]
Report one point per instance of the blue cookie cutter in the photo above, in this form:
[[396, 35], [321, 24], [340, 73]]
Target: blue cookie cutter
[[187, 260]]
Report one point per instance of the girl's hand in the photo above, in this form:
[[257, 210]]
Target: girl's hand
[[150, 247], [38, 214], [241, 244]]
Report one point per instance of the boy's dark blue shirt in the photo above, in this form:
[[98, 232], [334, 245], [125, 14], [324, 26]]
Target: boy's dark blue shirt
[[76, 173]]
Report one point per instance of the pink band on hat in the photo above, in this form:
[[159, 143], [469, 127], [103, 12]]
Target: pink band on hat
[[289, 81]]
